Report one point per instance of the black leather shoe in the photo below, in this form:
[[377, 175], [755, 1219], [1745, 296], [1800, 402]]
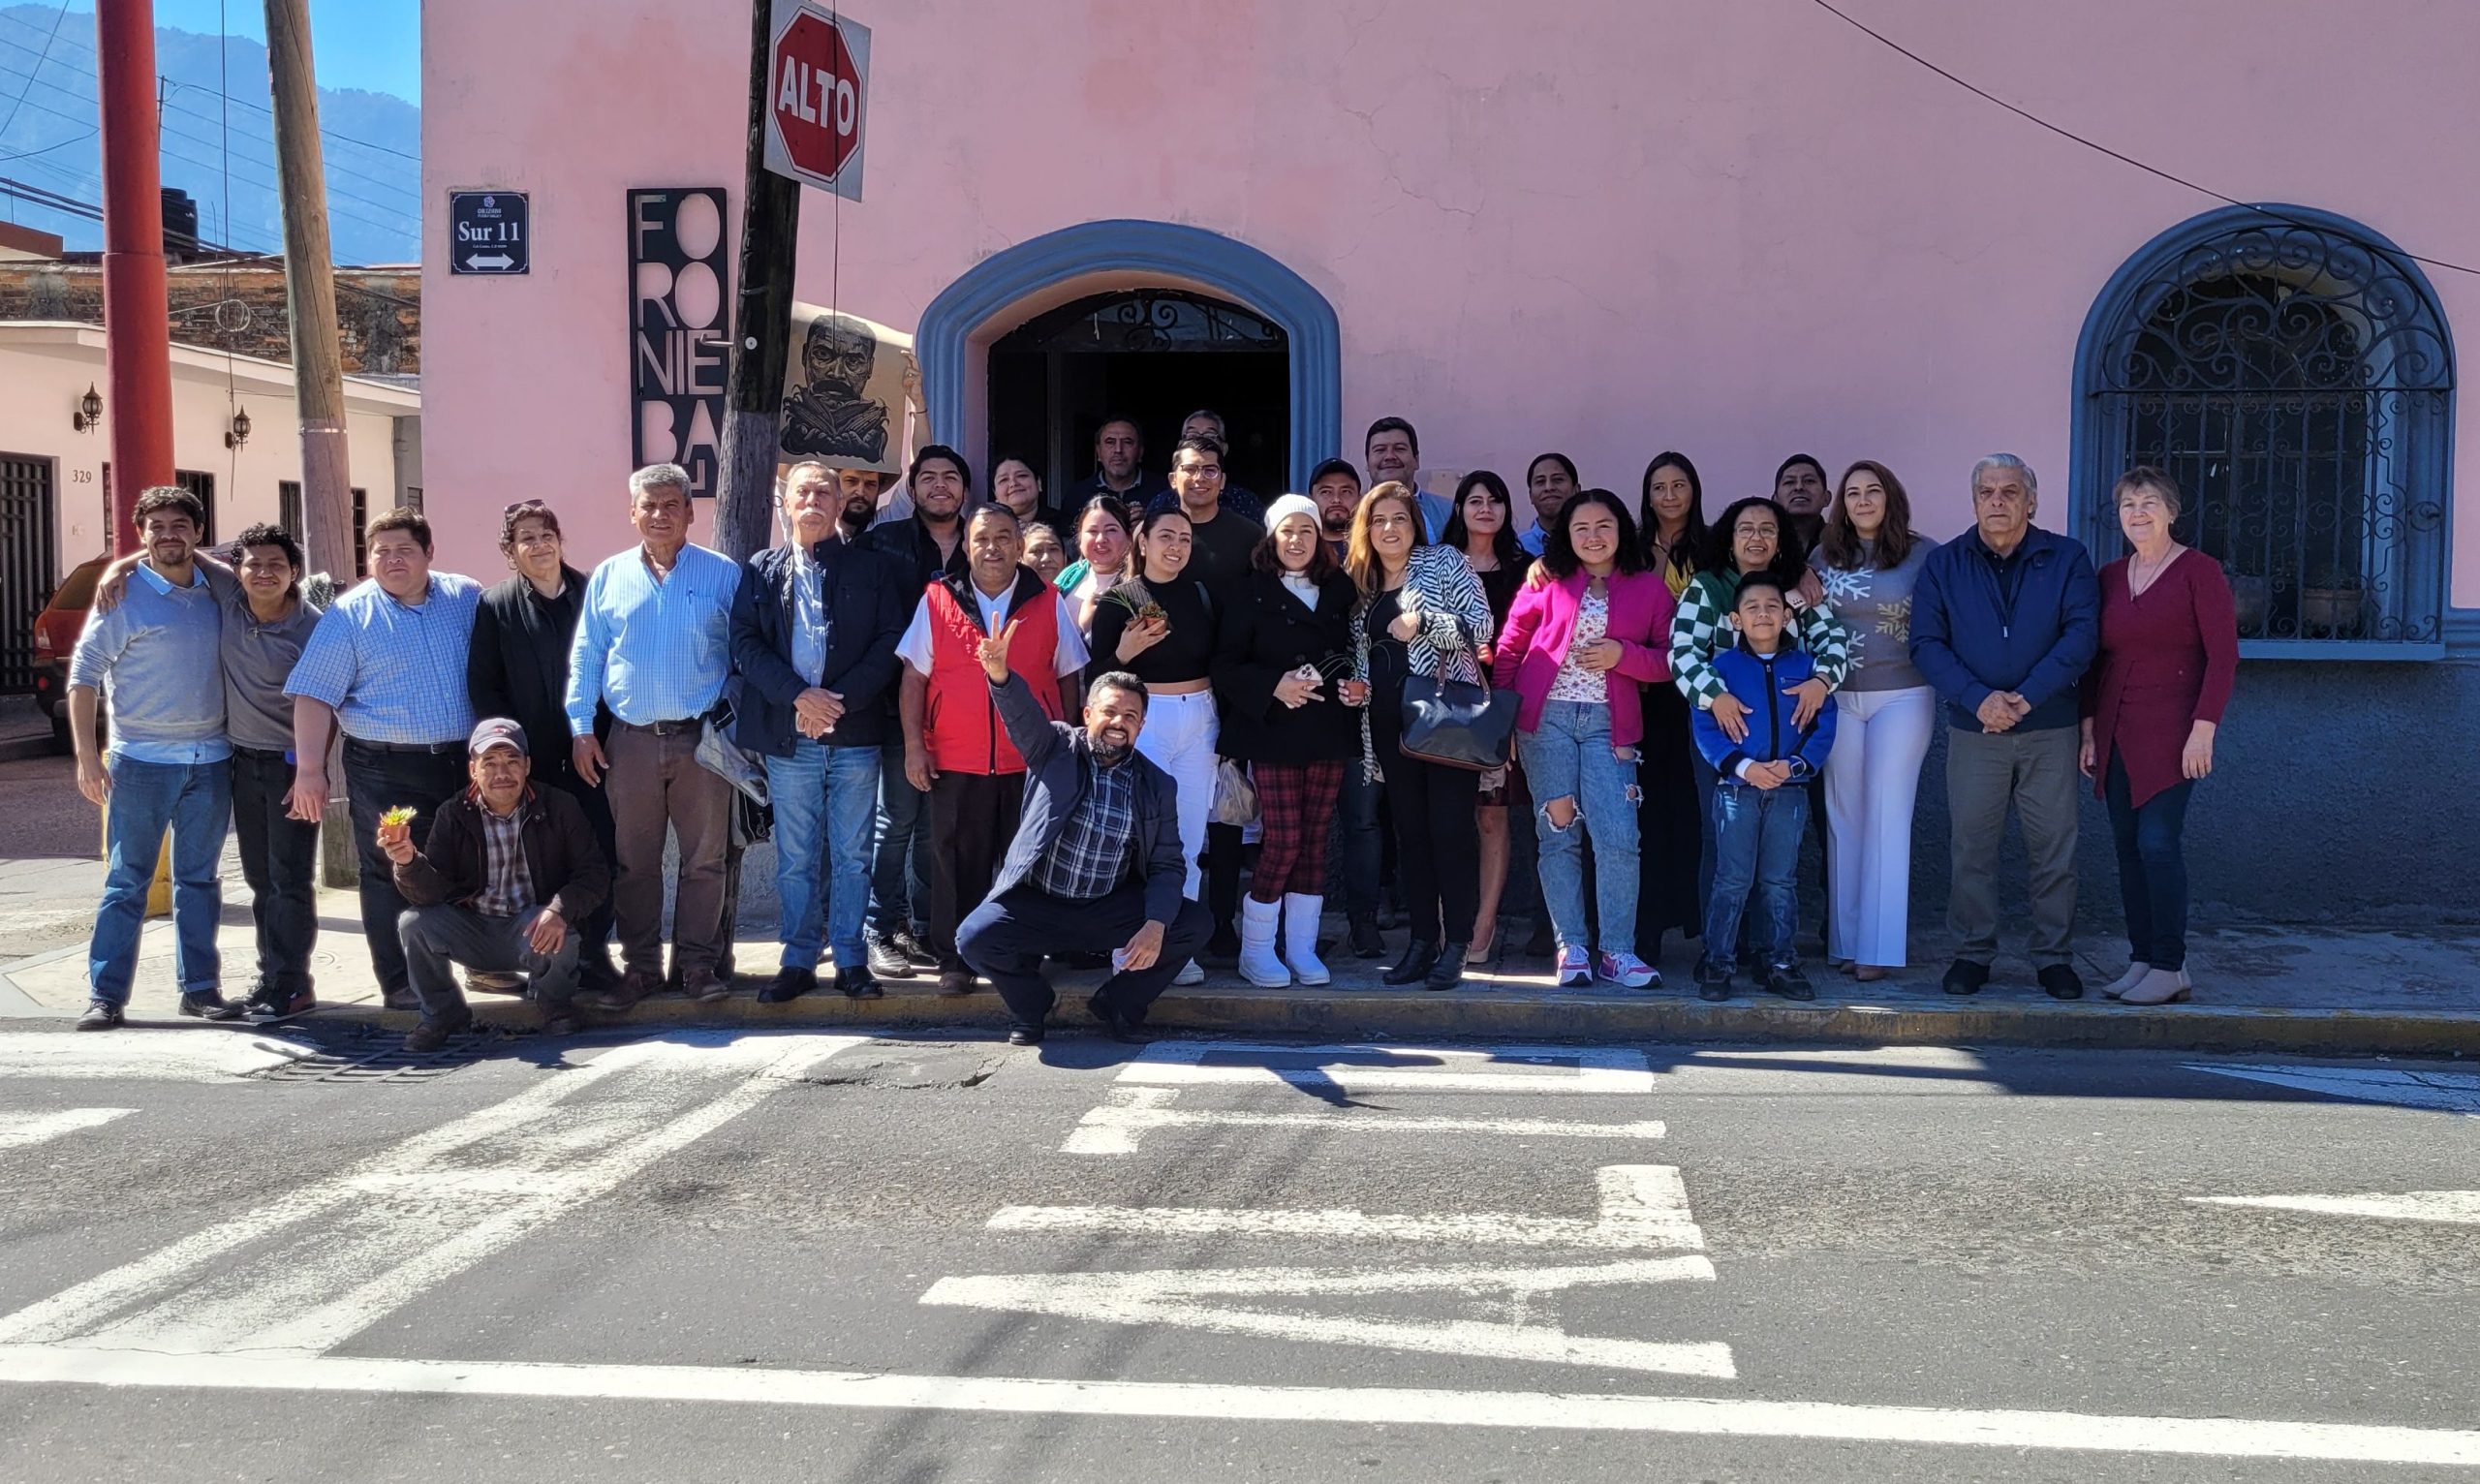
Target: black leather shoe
[[559, 1020], [434, 1033], [207, 1004], [904, 943], [1116, 1026], [857, 984], [1446, 971], [1024, 1035], [401, 1000], [1966, 978], [2061, 982], [887, 961], [1790, 983], [1415, 966], [1366, 942], [101, 1015], [1713, 980], [789, 985], [955, 984]]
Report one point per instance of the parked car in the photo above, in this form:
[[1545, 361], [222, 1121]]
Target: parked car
[[56, 631]]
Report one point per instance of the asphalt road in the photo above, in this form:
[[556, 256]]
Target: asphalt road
[[822, 1259]]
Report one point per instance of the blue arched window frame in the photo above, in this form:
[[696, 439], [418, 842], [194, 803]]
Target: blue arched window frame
[[2361, 325], [1154, 251]]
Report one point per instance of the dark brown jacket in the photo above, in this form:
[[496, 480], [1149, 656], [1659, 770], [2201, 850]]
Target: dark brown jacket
[[566, 868]]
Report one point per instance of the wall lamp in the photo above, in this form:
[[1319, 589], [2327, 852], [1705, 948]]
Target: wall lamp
[[240, 433], [89, 411]]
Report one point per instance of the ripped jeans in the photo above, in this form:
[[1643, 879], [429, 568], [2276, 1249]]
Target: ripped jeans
[[1568, 762]]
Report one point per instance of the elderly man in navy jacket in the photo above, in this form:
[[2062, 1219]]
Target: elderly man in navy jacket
[[2005, 619], [813, 629], [1096, 861]]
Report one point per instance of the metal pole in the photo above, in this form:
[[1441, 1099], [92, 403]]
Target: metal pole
[[310, 295], [138, 336]]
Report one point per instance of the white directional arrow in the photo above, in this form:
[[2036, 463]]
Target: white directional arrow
[[496, 261], [2462, 1207], [1173, 1298]]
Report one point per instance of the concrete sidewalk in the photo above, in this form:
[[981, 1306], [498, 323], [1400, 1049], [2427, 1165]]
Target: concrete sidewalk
[[2258, 988]]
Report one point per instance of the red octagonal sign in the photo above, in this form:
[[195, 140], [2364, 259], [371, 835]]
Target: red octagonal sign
[[819, 98]]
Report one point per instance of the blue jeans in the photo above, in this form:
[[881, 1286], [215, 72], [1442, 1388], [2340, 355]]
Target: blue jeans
[[2153, 867], [900, 862], [195, 801], [1756, 843], [826, 800], [1569, 756]]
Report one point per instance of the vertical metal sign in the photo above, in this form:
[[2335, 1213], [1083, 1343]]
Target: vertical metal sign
[[679, 329]]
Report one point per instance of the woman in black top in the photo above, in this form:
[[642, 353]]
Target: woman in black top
[[1671, 514], [1283, 650], [1159, 626], [1482, 527]]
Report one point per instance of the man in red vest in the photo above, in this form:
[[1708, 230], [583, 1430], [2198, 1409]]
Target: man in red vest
[[955, 747]]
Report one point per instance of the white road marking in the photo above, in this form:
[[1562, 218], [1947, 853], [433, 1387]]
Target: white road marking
[[2449, 1092], [1171, 1298], [158, 1056], [1128, 1113], [2458, 1206], [1357, 1406], [1644, 1208], [1396, 1068], [319, 1265], [20, 1129]]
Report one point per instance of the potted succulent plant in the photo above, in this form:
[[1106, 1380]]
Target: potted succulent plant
[[2331, 602]]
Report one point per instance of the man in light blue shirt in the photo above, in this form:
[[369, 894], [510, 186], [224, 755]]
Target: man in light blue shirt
[[386, 664], [654, 645], [1393, 452], [154, 658], [1550, 482]]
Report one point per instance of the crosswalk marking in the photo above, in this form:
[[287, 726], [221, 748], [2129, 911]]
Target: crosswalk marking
[[139, 1054], [1643, 1208], [20, 1129], [2461, 1207], [320, 1263], [1370, 1068], [1175, 1298], [1128, 1113]]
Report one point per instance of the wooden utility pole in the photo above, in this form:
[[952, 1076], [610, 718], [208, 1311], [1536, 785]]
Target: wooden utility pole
[[770, 224], [138, 317], [310, 295]]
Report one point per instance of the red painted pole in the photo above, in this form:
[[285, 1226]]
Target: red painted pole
[[138, 337]]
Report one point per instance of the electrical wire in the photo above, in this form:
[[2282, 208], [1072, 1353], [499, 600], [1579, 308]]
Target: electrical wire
[[2199, 188], [40, 58]]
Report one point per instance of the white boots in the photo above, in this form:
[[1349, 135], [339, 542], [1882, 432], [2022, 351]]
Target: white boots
[[1300, 917], [1257, 962]]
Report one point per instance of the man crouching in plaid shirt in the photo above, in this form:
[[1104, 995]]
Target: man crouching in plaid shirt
[[1095, 862], [509, 871]]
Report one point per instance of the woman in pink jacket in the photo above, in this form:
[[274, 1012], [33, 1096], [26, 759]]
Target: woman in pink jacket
[[1576, 647]]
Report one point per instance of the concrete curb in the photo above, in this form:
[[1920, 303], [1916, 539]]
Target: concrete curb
[[1579, 1017]]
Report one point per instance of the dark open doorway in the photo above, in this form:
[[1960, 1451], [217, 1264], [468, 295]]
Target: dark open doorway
[[1154, 354]]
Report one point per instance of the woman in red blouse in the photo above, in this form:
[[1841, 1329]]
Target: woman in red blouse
[[2152, 701]]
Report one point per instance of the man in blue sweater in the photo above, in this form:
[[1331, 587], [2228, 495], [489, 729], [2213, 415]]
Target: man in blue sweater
[[154, 657], [2005, 619]]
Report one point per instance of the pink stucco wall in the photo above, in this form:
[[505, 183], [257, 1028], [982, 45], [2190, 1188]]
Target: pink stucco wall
[[1606, 227]]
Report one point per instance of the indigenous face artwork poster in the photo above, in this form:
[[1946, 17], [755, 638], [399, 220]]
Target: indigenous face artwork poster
[[847, 387], [679, 334]]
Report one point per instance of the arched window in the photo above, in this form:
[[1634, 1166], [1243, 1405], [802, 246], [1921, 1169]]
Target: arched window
[[2293, 372]]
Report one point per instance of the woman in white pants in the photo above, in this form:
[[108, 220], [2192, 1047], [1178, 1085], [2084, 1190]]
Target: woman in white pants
[[1159, 626], [1868, 558]]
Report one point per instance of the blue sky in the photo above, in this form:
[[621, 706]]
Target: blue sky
[[375, 45]]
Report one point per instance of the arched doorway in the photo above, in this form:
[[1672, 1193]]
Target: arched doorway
[[1151, 355], [961, 328]]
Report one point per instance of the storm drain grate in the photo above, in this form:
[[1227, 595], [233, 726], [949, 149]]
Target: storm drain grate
[[378, 1055]]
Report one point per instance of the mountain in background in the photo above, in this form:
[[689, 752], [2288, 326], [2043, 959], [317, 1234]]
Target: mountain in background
[[372, 141]]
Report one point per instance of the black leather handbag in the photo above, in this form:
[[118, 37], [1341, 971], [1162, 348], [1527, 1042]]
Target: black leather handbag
[[1456, 723]]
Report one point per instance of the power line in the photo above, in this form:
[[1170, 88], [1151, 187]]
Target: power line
[[40, 58], [2124, 159]]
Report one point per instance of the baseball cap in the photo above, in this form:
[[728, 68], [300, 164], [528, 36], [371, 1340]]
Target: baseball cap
[[495, 731]]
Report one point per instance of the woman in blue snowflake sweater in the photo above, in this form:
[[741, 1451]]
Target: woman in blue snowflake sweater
[[1868, 558]]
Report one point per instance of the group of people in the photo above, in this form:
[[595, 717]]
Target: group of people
[[994, 730]]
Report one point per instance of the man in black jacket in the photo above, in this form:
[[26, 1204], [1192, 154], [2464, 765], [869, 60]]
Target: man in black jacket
[[925, 546], [518, 667], [509, 869], [1095, 859], [814, 624]]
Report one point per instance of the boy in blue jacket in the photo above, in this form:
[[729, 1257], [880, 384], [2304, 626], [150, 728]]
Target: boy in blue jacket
[[1761, 801]]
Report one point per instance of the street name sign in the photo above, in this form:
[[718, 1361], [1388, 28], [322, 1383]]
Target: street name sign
[[489, 232]]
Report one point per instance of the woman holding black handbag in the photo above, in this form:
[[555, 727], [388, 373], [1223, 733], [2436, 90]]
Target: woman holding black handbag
[[1421, 613], [1283, 652]]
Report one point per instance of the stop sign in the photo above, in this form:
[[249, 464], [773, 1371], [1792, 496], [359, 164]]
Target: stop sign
[[818, 95]]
